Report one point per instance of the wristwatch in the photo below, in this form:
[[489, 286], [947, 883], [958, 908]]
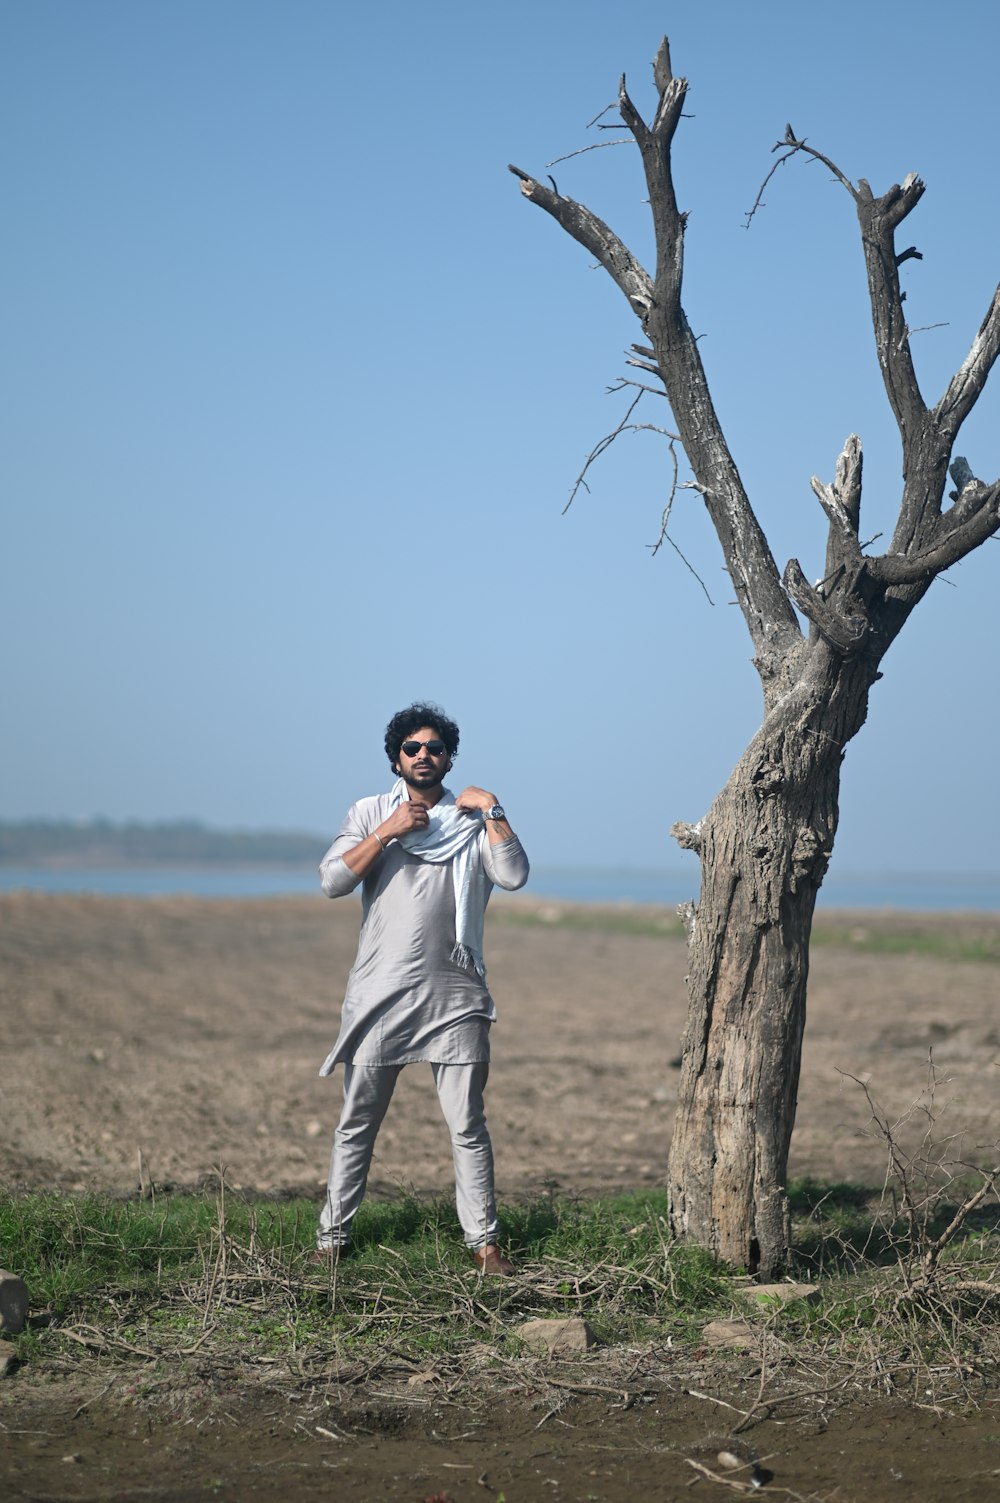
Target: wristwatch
[[496, 812]]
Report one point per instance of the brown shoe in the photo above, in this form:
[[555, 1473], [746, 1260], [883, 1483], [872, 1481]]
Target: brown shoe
[[490, 1259], [325, 1257]]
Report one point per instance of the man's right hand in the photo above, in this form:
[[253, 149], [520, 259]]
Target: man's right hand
[[408, 816]]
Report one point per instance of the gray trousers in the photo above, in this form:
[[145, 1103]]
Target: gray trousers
[[367, 1092]]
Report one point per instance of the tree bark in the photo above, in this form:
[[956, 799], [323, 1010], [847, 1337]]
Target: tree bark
[[764, 847]]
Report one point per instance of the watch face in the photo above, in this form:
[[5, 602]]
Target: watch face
[[495, 813]]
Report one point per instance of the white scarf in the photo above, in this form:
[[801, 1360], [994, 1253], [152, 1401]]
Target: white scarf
[[452, 835]]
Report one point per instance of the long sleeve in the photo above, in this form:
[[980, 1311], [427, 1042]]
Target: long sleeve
[[336, 877], [505, 863]]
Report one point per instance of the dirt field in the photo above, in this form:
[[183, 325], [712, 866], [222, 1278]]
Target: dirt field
[[190, 1033], [193, 1031]]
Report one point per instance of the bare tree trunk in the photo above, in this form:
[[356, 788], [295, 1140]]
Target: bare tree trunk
[[764, 847]]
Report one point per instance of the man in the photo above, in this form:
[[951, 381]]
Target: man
[[417, 990]]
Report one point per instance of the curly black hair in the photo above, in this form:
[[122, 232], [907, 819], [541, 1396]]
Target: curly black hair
[[413, 718]]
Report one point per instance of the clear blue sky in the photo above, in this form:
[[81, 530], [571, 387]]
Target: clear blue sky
[[296, 385]]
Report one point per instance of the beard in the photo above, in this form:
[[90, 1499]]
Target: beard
[[424, 779]]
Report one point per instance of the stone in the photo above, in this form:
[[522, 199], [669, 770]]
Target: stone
[[772, 1295], [13, 1302], [729, 1461], [557, 1336], [735, 1333], [8, 1357]]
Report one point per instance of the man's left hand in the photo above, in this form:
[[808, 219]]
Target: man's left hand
[[471, 799]]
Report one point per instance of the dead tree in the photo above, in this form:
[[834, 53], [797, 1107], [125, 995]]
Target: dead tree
[[765, 843]]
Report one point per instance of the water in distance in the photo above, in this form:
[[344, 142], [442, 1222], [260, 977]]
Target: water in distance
[[665, 888]]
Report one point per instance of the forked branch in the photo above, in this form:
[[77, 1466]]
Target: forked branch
[[924, 542], [845, 609]]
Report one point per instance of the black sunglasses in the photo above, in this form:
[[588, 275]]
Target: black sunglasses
[[435, 748]]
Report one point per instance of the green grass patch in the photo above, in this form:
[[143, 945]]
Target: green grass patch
[[661, 923], [193, 1277], [158, 1275], [943, 937]]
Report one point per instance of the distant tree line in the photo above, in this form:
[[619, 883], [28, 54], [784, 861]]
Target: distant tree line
[[101, 842]]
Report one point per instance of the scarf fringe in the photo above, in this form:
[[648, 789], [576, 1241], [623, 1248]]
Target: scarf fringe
[[465, 958]]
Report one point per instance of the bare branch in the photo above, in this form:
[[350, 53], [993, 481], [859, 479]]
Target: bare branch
[[601, 113], [623, 381], [965, 387], [879, 219], [927, 439], [591, 232], [662, 71], [961, 472], [969, 1204], [643, 365], [832, 505], [594, 146], [848, 633], [631, 115], [956, 544], [923, 328], [758, 202], [666, 538], [841, 503], [772, 623], [688, 836], [665, 516], [598, 450], [847, 484], [924, 449], [672, 92], [626, 427], [910, 254], [968, 497], [605, 443], [653, 428], [769, 615], [810, 151]]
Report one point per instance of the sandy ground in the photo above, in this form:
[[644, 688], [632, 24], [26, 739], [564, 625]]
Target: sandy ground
[[191, 1032]]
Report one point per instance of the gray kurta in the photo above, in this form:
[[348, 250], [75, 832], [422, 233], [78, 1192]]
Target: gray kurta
[[406, 999]]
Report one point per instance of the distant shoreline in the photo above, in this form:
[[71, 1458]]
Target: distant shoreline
[[664, 889], [116, 863], [103, 844]]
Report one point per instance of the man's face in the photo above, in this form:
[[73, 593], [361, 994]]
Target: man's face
[[424, 766]]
